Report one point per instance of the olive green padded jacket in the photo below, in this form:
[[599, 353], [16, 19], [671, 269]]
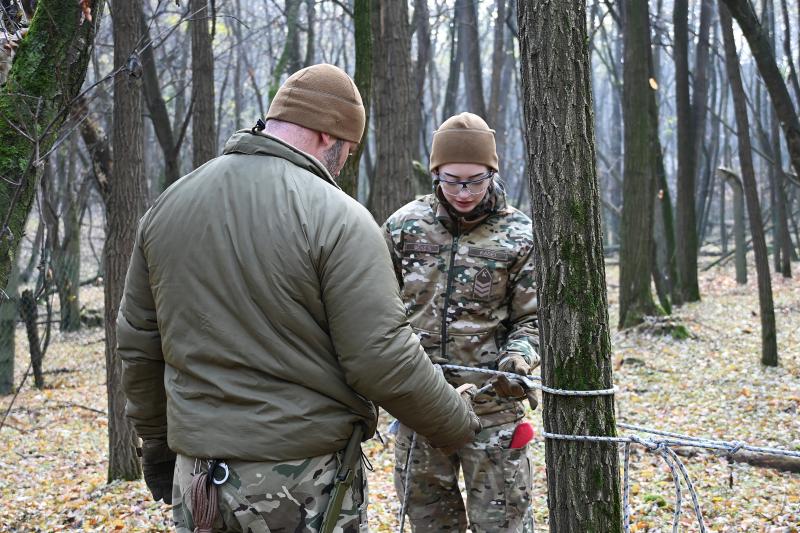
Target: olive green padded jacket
[[261, 317]]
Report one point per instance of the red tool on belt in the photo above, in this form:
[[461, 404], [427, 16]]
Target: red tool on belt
[[523, 434]]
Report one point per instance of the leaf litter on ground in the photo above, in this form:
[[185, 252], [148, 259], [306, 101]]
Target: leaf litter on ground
[[53, 450]]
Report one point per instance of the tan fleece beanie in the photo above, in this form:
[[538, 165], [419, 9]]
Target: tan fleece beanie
[[464, 138], [322, 98]]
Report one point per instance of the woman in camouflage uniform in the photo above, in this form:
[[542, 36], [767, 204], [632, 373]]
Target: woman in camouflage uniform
[[463, 258]]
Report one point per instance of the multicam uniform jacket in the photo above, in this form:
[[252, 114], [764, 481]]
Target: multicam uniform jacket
[[468, 288]]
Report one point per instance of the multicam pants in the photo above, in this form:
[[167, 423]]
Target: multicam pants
[[498, 482], [271, 497]]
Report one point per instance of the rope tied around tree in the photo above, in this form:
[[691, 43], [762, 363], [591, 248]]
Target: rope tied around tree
[[662, 445]]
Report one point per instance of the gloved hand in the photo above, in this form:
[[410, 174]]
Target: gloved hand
[[516, 364], [505, 388], [467, 392], [158, 465]]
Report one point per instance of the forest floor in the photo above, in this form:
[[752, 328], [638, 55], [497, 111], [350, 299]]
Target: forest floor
[[53, 454]]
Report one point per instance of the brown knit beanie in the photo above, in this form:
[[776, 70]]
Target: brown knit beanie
[[464, 138], [322, 98]]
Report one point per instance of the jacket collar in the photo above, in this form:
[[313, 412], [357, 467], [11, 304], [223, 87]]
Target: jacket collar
[[259, 143], [455, 222]]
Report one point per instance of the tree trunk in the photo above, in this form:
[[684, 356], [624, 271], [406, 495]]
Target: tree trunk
[[422, 28], [238, 69], [311, 18], [289, 58], [50, 82], [738, 224], [204, 135], [348, 177], [700, 107], [781, 220], [124, 204], [33, 262], [393, 113], [582, 478], [685, 205], [637, 248], [157, 108], [454, 75], [761, 50], [787, 50], [8, 320], [498, 56], [469, 44], [29, 313], [723, 227], [769, 347]]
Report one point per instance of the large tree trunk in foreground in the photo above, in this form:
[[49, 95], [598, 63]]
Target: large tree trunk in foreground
[[124, 204], [582, 478], [639, 178], [49, 83], [769, 347], [393, 87]]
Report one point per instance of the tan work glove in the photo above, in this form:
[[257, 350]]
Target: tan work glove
[[507, 388], [467, 392], [516, 364]]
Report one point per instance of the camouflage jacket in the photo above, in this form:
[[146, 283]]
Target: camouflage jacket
[[468, 287]]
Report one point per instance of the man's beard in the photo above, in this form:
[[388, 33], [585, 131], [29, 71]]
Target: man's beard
[[330, 158]]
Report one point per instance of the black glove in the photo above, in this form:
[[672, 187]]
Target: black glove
[[158, 465]]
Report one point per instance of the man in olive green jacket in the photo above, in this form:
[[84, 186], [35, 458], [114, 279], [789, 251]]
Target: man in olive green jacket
[[261, 321]]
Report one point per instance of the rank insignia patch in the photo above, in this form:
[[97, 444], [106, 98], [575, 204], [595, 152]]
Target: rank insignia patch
[[482, 288]]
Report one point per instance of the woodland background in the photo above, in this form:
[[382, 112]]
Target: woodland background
[[107, 104]]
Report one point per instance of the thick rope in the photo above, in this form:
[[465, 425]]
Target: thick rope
[[204, 503], [543, 388], [662, 446]]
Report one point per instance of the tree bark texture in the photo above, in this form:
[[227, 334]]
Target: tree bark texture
[[348, 177], [769, 347], [204, 136], [47, 74], [639, 178], [393, 113], [124, 204], [29, 313], [582, 478], [760, 47], [686, 228]]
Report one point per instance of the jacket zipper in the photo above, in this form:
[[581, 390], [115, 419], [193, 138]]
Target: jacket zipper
[[449, 288]]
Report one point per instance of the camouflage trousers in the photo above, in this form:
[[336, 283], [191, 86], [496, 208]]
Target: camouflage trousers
[[498, 483], [272, 497]]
